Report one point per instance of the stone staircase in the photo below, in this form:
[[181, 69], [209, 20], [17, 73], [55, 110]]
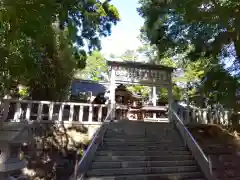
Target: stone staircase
[[143, 151]]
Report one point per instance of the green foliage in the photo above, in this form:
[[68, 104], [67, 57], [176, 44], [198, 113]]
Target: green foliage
[[208, 26], [204, 32], [148, 51], [24, 92], [220, 87], [137, 89], [54, 75], [37, 42], [177, 93], [129, 55], [150, 54], [95, 66]]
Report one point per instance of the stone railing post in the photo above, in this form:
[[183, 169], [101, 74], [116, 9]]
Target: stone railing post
[[6, 104]]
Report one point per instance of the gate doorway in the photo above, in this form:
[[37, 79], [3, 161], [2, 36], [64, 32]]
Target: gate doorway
[[137, 73]]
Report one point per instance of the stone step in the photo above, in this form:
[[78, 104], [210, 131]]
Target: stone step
[[141, 153], [160, 143], [141, 129], [162, 176], [133, 164], [125, 139], [142, 148], [141, 170], [142, 132], [136, 130], [140, 138], [144, 158], [140, 124], [144, 137]]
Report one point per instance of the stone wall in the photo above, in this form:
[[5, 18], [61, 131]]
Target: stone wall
[[56, 149]]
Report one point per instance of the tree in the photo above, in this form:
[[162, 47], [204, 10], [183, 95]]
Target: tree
[[210, 27], [138, 89], [147, 51], [149, 54], [129, 55], [95, 67], [220, 87], [53, 76], [176, 90], [41, 40], [206, 32]]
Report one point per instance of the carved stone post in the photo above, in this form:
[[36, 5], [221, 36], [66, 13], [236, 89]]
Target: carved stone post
[[204, 116], [154, 100], [112, 93], [170, 97]]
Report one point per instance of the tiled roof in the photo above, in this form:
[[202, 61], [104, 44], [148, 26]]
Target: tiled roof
[[86, 85]]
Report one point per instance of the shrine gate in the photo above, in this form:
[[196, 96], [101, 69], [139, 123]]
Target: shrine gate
[[129, 72]]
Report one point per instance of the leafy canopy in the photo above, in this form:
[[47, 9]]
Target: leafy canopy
[[205, 32], [95, 67], [41, 41], [212, 27]]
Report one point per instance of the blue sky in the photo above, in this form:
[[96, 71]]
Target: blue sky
[[124, 34]]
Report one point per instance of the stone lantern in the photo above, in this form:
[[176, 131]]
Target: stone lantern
[[12, 135]]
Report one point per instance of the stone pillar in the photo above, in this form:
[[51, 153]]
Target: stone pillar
[[5, 106], [5, 153], [187, 120], [112, 93], [154, 96], [154, 100], [170, 98]]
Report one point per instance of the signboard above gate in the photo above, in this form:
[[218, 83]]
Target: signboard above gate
[[140, 73]]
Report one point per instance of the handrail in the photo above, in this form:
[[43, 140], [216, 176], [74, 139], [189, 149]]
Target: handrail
[[204, 163], [189, 134], [85, 161], [67, 103]]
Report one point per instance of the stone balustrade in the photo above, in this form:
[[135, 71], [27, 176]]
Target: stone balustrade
[[193, 114], [47, 111], [21, 110]]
